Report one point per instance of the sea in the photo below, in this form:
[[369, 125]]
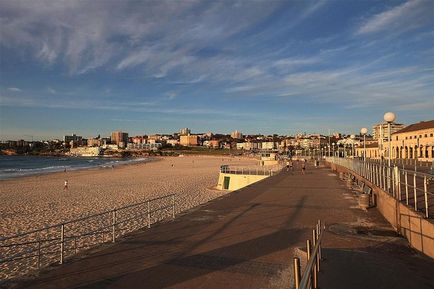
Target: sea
[[19, 166]]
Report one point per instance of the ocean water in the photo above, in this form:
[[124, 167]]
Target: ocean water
[[19, 166]]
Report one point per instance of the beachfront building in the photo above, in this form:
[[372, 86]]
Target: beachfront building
[[380, 131], [184, 131], [372, 151], [73, 140], [119, 138], [213, 143], [236, 135], [189, 140], [415, 141], [86, 151], [144, 146], [172, 142], [94, 142], [138, 139]]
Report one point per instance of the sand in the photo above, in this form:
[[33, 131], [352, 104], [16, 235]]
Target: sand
[[36, 202], [33, 202]]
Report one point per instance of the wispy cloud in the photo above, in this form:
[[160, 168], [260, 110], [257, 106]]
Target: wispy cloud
[[51, 90], [409, 15], [15, 89]]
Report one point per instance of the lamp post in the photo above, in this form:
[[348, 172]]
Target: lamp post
[[333, 144], [389, 117], [352, 144], [364, 131]]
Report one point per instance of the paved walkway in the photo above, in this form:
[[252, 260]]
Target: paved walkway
[[247, 239]]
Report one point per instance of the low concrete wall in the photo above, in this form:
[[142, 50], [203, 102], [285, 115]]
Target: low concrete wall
[[237, 182], [412, 225]]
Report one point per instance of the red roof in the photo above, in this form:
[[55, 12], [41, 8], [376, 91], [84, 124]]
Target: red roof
[[417, 126]]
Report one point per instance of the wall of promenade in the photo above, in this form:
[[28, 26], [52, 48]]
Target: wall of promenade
[[238, 181], [410, 224]]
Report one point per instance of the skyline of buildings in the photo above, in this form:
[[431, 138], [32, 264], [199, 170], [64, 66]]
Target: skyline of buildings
[[412, 141]]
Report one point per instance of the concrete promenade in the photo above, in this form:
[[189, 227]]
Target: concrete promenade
[[247, 239]]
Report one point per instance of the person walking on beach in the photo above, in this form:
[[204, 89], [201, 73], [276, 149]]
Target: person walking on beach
[[65, 187], [303, 167], [291, 166], [287, 166]]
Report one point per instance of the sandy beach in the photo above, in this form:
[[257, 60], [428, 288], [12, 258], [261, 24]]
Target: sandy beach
[[33, 202]]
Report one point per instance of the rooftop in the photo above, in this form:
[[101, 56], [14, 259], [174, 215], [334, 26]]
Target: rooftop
[[417, 126]]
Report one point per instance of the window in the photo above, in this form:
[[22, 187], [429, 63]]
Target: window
[[426, 135], [410, 137]]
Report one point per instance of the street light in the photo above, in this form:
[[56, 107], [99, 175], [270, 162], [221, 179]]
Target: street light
[[333, 144], [352, 144], [364, 131], [389, 117]]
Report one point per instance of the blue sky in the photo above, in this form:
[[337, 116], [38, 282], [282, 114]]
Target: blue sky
[[91, 67]]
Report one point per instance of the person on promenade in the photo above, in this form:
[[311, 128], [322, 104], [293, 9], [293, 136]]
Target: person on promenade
[[287, 166], [291, 166], [303, 167], [65, 187]]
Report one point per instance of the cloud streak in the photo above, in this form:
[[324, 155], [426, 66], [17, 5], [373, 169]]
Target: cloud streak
[[409, 15]]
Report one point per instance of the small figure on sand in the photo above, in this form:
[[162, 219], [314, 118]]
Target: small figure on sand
[[64, 170], [172, 165], [303, 167], [287, 166], [65, 187]]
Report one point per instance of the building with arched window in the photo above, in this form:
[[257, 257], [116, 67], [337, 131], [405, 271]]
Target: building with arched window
[[415, 141]]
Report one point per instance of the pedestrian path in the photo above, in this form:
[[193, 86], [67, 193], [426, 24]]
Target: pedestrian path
[[247, 239]]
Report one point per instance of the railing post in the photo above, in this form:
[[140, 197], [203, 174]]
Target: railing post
[[297, 274], [173, 206], [398, 173], [415, 192], [39, 254], [62, 239], [114, 226], [149, 215], [318, 230], [406, 187], [308, 250], [392, 182], [425, 190], [315, 264]]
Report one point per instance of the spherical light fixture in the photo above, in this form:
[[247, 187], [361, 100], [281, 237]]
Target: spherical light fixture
[[389, 117], [364, 131], [352, 136]]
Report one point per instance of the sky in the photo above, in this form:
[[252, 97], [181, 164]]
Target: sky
[[92, 67]]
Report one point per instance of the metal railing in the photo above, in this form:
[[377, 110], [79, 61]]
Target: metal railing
[[258, 171], [309, 279], [35, 249], [414, 188]]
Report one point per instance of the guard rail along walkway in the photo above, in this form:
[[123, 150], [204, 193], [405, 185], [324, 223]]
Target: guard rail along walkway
[[415, 189], [256, 171], [35, 249], [310, 275]]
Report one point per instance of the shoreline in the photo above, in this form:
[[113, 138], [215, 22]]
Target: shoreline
[[124, 162]]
